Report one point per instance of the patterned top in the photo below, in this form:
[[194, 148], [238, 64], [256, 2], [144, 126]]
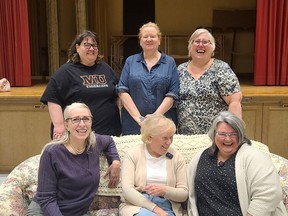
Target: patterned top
[[215, 187], [201, 100]]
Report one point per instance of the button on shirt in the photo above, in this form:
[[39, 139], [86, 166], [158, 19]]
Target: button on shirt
[[215, 187], [148, 88]]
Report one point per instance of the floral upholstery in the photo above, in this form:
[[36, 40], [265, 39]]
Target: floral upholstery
[[19, 187], [281, 165]]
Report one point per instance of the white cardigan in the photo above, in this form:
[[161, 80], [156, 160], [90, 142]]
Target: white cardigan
[[258, 184]]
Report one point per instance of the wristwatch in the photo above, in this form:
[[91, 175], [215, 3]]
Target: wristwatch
[[141, 119]]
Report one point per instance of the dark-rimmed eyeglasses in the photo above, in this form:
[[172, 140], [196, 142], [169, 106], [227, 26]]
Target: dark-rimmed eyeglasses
[[89, 45], [77, 120]]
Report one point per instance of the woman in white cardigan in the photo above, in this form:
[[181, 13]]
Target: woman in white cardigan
[[232, 177], [153, 174]]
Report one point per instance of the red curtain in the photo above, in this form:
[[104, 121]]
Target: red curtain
[[271, 44], [14, 42]]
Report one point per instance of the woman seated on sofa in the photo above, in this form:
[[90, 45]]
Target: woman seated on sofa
[[153, 174], [69, 173], [232, 177]]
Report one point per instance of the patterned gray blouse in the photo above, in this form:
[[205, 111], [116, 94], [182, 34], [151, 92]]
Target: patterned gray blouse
[[201, 100]]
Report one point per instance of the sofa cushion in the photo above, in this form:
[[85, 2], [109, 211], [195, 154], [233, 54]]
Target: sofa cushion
[[19, 188], [187, 146], [105, 205]]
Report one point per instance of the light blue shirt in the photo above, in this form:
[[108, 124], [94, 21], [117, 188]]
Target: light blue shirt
[[148, 88]]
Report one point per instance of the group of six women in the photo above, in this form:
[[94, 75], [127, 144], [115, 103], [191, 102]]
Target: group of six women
[[156, 98]]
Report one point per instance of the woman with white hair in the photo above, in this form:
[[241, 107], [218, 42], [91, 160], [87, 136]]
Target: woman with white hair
[[207, 86], [153, 174]]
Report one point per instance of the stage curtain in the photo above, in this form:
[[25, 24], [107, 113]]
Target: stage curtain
[[271, 44], [14, 42]]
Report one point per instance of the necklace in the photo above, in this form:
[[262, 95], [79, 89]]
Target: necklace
[[77, 151]]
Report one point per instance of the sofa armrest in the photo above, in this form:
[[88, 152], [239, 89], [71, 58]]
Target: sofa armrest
[[281, 165], [11, 199], [19, 187]]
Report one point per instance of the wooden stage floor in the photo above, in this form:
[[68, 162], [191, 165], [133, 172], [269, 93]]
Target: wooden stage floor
[[248, 90]]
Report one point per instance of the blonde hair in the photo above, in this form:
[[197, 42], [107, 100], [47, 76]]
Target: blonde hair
[[196, 34], [91, 139], [150, 24], [156, 124]]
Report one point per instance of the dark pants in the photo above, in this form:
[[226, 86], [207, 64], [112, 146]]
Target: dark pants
[[34, 209]]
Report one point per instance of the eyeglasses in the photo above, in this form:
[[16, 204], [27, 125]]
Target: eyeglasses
[[77, 120], [224, 135], [89, 45], [204, 42]]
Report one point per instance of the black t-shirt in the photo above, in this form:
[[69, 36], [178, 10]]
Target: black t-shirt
[[94, 86]]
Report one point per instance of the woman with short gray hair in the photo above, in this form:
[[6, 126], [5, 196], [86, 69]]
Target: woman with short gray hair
[[232, 177], [207, 86]]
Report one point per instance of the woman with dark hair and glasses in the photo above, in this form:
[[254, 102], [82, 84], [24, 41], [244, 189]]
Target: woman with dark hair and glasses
[[207, 86], [69, 172], [232, 177], [87, 79]]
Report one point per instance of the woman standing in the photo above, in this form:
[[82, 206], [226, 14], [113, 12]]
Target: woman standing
[[87, 79], [207, 86], [149, 82]]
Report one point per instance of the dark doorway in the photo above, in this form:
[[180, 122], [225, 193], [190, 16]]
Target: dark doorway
[[135, 14]]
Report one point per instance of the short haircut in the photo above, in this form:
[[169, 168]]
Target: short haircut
[[236, 123], [195, 34], [156, 124], [150, 24]]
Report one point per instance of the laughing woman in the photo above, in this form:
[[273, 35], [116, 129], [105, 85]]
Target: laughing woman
[[153, 173], [232, 177], [207, 86]]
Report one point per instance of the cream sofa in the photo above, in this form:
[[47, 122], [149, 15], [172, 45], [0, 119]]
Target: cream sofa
[[20, 186]]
